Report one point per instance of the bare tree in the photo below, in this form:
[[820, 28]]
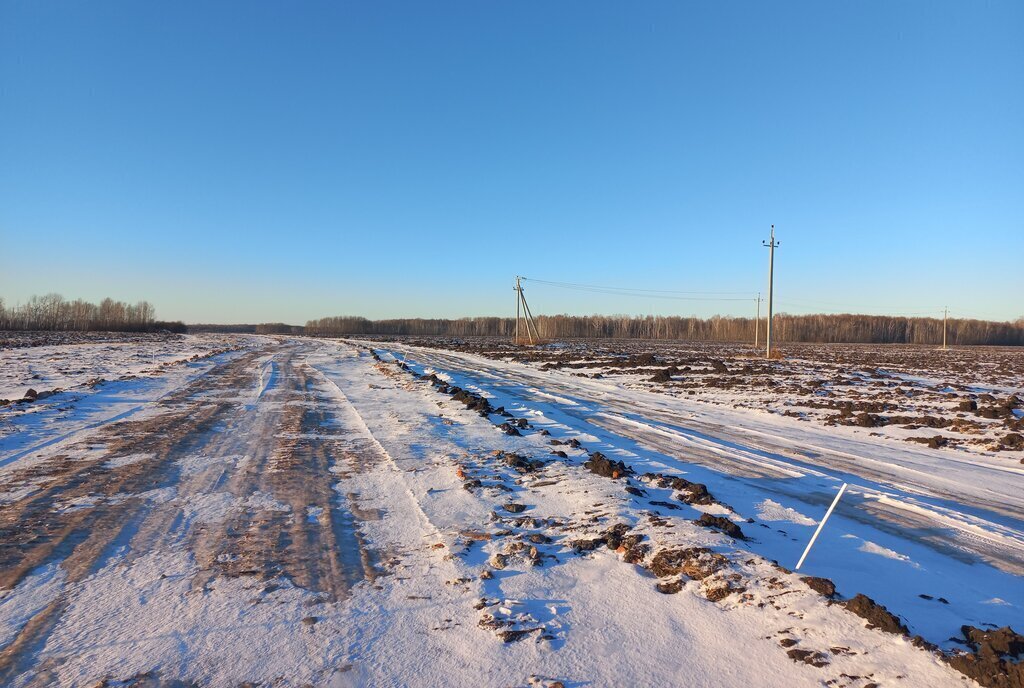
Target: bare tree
[[52, 312], [795, 328]]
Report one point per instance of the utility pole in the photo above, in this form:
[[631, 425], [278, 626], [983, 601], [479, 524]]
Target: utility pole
[[518, 291], [527, 316], [757, 323], [771, 244], [945, 316]]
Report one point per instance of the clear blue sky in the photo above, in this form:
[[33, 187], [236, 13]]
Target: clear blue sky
[[254, 161]]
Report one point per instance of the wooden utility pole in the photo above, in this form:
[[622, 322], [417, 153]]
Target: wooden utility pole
[[771, 244], [757, 322], [945, 317], [530, 322], [518, 299], [531, 326]]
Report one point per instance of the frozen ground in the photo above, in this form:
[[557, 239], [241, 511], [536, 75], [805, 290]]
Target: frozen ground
[[294, 512], [967, 399]]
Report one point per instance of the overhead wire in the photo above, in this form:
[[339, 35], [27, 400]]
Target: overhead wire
[[645, 293], [724, 296]]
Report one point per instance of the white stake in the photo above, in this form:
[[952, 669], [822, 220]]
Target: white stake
[[820, 526]]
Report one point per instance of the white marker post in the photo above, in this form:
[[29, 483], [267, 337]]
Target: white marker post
[[820, 526]]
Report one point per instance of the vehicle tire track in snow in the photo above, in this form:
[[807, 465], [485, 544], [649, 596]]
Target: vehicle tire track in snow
[[36, 530]]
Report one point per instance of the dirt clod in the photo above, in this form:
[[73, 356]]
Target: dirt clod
[[875, 614], [696, 562], [815, 659], [605, 467], [822, 586], [997, 660], [721, 523], [669, 587]]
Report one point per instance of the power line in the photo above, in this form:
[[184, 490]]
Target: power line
[[865, 310], [644, 293], [599, 286], [803, 303], [732, 296]]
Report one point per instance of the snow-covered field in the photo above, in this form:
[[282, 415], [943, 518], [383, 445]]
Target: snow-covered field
[[309, 512]]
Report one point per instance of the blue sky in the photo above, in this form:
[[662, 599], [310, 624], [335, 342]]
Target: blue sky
[[241, 162]]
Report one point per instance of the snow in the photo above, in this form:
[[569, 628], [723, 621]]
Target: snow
[[770, 510], [203, 583], [959, 519], [873, 548], [127, 460], [33, 594]]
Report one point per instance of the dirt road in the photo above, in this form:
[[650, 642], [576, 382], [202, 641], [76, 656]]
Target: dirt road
[[303, 514], [235, 469]]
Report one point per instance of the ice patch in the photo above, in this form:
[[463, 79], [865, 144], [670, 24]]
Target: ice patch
[[770, 510]]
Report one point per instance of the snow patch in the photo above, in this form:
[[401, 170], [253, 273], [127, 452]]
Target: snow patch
[[119, 461], [261, 501], [770, 510], [191, 465], [875, 548], [209, 507]]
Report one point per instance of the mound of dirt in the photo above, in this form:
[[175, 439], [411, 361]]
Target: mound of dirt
[[645, 360], [669, 587], [614, 535], [603, 466], [934, 442], [695, 562], [1012, 440], [587, 544], [662, 376], [519, 463], [815, 659], [721, 523], [997, 660], [875, 614], [692, 493], [634, 554], [822, 586], [473, 402], [718, 366], [869, 420]]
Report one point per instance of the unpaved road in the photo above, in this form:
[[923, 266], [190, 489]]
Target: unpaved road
[[301, 514], [256, 439]]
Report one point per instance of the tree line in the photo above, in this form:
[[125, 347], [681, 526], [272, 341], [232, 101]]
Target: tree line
[[848, 328], [54, 313]]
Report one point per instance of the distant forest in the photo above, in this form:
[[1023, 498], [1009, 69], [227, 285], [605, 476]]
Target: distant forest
[[53, 313], [868, 329], [262, 328]]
